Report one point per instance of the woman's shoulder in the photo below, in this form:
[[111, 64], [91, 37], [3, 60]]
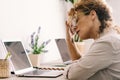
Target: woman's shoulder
[[110, 36]]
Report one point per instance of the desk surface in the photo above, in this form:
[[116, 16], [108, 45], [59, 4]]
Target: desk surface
[[13, 77]]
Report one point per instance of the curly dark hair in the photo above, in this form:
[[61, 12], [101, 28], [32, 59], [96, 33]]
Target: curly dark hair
[[102, 11]]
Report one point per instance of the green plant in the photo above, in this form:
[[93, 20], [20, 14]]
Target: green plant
[[36, 48], [77, 38], [72, 1]]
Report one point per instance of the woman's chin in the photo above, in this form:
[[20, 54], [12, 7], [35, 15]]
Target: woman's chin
[[84, 38]]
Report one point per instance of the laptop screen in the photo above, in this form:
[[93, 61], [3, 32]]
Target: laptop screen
[[19, 57], [63, 49]]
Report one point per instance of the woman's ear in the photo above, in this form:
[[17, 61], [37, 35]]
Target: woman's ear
[[93, 14]]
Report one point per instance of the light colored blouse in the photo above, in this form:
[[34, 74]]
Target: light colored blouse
[[102, 62]]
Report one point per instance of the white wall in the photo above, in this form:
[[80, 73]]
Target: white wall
[[19, 18], [115, 5]]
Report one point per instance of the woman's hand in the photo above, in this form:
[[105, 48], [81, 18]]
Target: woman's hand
[[69, 31], [69, 36]]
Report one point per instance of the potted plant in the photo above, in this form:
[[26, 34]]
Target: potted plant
[[37, 50]]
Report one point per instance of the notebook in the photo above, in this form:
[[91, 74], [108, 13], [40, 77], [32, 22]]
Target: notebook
[[64, 54], [21, 63], [63, 50]]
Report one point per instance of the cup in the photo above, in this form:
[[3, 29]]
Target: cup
[[4, 68]]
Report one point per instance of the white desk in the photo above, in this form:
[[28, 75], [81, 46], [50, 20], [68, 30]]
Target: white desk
[[26, 78]]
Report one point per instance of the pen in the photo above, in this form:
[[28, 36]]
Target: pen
[[8, 54]]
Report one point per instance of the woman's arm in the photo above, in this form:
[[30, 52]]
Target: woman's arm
[[73, 53], [99, 57]]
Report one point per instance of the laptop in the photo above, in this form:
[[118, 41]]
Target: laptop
[[21, 63], [63, 50]]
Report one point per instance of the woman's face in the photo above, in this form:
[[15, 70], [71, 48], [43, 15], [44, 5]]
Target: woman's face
[[85, 26]]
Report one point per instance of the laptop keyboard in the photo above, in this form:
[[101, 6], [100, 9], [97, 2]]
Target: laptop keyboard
[[42, 73], [37, 72]]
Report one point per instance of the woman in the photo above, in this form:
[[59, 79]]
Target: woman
[[91, 19]]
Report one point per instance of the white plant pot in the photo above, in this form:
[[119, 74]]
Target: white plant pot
[[36, 59], [80, 47]]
